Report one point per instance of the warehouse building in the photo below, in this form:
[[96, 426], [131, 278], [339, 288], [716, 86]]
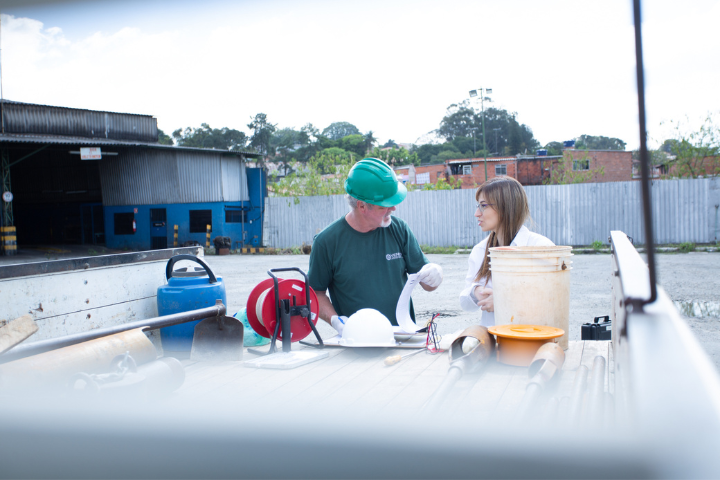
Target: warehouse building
[[73, 176]]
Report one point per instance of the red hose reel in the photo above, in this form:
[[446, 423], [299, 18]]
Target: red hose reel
[[275, 298]]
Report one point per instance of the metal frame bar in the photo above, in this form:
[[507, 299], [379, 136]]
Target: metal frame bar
[[8, 218], [639, 303], [28, 155], [84, 263], [42, 346]]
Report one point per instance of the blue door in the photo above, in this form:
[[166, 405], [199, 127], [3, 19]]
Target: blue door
[[158, 228]]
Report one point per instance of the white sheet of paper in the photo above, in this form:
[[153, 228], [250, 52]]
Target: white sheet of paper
[[417, 341], [402, 311]]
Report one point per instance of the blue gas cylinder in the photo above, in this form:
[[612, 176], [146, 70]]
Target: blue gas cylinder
[[187, 289]]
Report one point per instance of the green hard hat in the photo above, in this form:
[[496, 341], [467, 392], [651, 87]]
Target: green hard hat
[[373, 181]]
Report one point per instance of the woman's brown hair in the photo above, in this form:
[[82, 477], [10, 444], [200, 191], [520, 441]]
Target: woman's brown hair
[[507, 196]]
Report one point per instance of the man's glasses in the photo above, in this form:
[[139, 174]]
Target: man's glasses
[[482, 206]]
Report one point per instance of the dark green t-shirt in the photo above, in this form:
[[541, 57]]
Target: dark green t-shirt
[[364, 270]]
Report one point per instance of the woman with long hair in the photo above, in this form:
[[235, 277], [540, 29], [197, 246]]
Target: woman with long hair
[[502, 209]]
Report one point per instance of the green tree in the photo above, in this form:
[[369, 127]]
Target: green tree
[[262, 133], [337, 152], [323, 174], [696, 152], [207, 137], [454, 155], [565, 170], [590, 142], [668, 145], [554, 148], [370, 141], [442, 184], [390, 144], [426, 152], [164, 138], [396, 157], [504, 134], [458, 122], [307, 143], [338, 130], [354, 143]]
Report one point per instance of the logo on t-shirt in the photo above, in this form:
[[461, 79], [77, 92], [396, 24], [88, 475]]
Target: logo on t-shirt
[[393, 256]]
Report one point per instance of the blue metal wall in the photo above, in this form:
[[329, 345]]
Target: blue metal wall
[[248, 234]]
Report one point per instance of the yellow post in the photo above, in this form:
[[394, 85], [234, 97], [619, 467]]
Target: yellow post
[[8, 240], [175, 236], [207, 240]]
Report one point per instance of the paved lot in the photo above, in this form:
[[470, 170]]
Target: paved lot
[[685, 277]]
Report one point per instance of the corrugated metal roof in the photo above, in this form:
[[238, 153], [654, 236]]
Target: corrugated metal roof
[[31, 119], [12, 102], [100, 142]]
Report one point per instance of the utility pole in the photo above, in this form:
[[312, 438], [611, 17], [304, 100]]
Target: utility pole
[[474, 149], [496, 145], [474, 93]]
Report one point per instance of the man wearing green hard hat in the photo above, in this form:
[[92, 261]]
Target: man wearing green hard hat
[[363, 259]]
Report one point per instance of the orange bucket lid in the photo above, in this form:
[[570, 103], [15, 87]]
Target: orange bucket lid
[[518, 344], [529, 332]]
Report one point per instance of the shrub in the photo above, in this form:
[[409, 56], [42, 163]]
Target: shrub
[[686, 247]]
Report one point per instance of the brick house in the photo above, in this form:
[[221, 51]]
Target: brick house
[[617, 164], [421, 175], [527, 169]]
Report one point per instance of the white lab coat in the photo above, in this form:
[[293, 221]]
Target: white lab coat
[[524, 238]]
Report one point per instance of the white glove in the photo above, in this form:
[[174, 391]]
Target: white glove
[[431, 275], [338, 323]]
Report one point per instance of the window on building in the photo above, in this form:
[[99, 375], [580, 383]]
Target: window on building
[[124, 223], [581, 164], [199, 219], [467, 170], [234, 216], [422, 178], [501, 169]]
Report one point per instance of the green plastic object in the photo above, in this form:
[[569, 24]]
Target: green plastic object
[[250, 338], [373, 181]]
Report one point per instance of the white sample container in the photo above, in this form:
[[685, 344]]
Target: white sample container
[[531, 286]]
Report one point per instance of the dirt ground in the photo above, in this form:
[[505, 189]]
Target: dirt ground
[[685, 277]]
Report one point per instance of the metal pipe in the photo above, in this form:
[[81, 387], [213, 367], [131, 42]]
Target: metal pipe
[[461, 362], [644, 164], [438, 398], [609, 410], [547, 361], [578, 394], [22, 351], [532, 393], [54, 368], [563, 411], [551, 411], [596, 392]]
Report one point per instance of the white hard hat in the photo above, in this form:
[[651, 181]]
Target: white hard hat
[[368, 328]]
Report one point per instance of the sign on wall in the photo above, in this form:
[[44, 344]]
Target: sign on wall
[[90, 153]]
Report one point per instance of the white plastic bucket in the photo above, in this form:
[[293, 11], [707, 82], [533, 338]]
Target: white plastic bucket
[[531, 286]]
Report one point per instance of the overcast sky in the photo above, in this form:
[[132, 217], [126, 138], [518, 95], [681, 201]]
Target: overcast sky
[[391, 66]]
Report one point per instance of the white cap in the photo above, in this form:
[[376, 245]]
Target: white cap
[[368, 328]]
